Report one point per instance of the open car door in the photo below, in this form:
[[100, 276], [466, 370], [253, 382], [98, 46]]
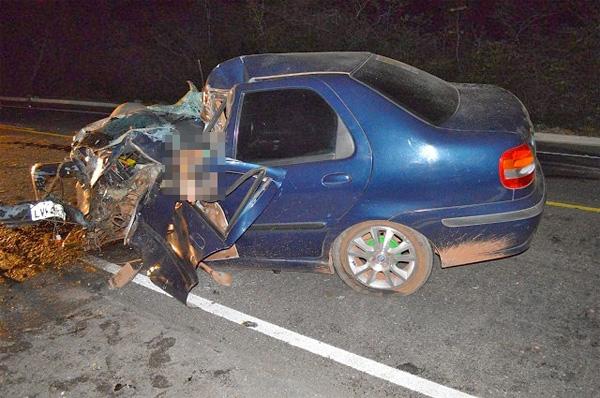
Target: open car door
[[174, 236]]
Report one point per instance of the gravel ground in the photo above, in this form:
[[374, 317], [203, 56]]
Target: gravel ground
[[523, 326]]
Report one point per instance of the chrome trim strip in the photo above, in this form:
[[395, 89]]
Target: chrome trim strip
[[494, 218], [288, 226], [297, 74]]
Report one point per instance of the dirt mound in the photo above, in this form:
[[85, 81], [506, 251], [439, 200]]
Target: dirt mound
[[26, 251]]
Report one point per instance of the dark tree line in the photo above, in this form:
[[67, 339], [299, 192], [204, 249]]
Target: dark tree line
[[545, 51]]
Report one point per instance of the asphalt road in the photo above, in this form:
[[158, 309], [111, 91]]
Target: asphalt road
[[523, 326]]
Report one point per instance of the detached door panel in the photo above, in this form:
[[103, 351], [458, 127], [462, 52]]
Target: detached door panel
[[174, 235]]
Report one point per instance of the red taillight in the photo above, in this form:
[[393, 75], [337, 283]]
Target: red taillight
[[517, 167]]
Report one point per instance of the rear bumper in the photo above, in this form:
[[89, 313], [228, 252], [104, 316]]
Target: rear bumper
[[486, 242], [475, 233], [494, 218], [493, 235]]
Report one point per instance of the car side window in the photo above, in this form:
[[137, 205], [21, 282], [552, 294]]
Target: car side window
[[290, 126]]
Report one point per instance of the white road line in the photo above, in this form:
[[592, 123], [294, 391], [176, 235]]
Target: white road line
[[362, 364]]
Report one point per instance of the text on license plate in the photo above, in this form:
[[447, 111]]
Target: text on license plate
[[47, 209]]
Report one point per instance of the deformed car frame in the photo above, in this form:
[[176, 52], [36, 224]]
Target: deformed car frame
[[332, 162], [118, 164]]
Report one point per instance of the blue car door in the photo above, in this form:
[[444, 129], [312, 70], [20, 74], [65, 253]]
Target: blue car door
[[174, 235], [300, 125]]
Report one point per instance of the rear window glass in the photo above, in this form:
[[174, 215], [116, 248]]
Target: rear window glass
[[419, 92]]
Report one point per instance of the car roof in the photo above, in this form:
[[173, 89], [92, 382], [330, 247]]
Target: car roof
[[260, 66]]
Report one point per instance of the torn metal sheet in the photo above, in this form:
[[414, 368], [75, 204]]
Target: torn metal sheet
[[151, 177], [125, 275]]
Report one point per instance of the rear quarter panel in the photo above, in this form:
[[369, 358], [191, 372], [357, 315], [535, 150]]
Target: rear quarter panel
[[422, 174], [417, 166]]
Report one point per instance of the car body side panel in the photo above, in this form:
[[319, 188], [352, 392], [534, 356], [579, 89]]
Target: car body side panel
[[173, 236], [455, 245], [420, 175], [418, 166], [296, 223], [487, 239]]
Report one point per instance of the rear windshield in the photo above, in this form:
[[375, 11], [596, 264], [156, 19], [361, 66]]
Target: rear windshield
[[425, 95]]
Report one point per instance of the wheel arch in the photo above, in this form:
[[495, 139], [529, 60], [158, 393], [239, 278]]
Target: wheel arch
[[426, 255]]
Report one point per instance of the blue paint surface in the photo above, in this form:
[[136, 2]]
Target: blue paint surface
[[403, 169]]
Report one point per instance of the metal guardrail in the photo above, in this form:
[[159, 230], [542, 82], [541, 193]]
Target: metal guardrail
[[541, 137], [564, 139], [53, 101], [558, 153]]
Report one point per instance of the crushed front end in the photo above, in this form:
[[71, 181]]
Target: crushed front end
[[151, 177]]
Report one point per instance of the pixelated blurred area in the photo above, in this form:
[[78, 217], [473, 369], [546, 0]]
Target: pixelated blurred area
[[194, 156], [195, 151]]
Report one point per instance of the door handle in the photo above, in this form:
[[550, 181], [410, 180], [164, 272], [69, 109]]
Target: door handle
[[334, 179]]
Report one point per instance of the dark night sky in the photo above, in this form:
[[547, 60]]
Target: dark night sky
[[133, 49]]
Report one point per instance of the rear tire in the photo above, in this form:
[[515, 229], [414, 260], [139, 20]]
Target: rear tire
[[382, 257]]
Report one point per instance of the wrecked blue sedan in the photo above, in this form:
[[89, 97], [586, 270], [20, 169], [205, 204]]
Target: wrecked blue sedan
[[350, 163]]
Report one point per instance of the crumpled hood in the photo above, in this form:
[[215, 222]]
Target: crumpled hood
[[155, 121]]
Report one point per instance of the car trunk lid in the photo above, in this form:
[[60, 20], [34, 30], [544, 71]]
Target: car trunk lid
[[484, 107]]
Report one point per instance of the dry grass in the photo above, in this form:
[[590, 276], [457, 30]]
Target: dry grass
[[24, 252]]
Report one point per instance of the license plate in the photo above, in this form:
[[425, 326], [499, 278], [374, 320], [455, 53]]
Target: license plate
[[47, 209]]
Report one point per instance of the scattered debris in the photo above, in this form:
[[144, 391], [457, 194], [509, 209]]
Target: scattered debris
[[125, 275], [120, 386], [249, 324], [222, 278], [410, 368], [221, 372]]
